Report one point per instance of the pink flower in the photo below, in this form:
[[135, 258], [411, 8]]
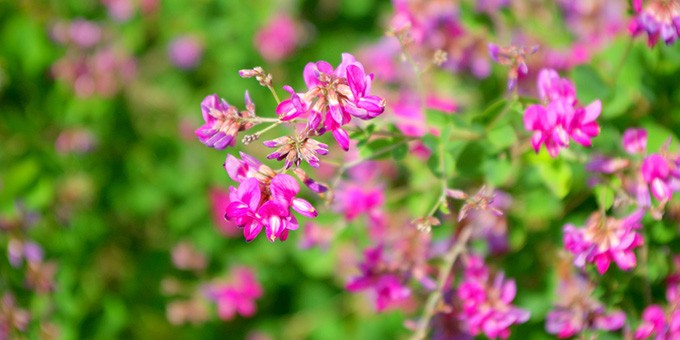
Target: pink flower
[[219, 200], [185, 52], [278, 39], [577, 311], [314, 235], [263, 199], [337, 94], [513, 56], [659, 19], [604, 240], [563, 118], [661, 174], [236, 295], [223, 121], [635, 141], [487, 302], [386, 287]]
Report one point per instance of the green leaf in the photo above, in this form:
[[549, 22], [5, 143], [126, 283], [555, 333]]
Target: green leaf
[[400, 152], [589, 83], [498, 171], [502, 136], [555, 173], [604, 196], [379, 148]]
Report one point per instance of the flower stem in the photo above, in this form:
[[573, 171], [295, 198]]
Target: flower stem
[[444, 273], [276, 97]]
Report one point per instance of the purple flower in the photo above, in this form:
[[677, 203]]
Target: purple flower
[[577, 311], [185, 52], [635, 141], [604, 240], [386, 288], [659, 19], [563, 118], [487, 302], [236, 295], [223, 122]]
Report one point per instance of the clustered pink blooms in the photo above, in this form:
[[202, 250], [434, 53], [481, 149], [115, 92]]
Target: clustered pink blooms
[[513, 56], [91, 66], [487, 301], [263, 199], [491, 224], [605, 239], [223, 122], [594, 22], [185, 51], [662, 174], [576, 310], [75, 140], [12, 317], [561, 117], [294, 150], [333, 96], [279, 38], [661, 323], [123, 10], [236, 295], [658, 18], [386, 287]]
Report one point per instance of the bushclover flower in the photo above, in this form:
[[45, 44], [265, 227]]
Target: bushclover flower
[[223, 121], [561, 117], [604, 240], [659, 18], [513, 56], [236, 295]]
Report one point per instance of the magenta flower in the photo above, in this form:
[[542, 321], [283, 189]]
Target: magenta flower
[[236, 295], [185, 52], [577, 311], [660, 174], [659, 19], [635, 141], [604, 240], [219, 200], [314, 235], [487, 303], [263, 199], [278, 39], [336, 94], [386, 287], [223, 122], [563, 118]]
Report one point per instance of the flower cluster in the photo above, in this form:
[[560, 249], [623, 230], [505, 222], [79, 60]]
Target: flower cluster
[[561, 117], [513, 56], [263, 199], [236, 295], [223, 121], [576, 310], [386, 287], [605, 239], [333, 97], [659, 322], [658, 18], [487, 301]]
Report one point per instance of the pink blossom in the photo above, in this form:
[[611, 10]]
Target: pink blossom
[[278, 39], [604, 240], [563, 118], [314, 235], [635, 141], [662, 175], [513, 56], [223, 121], [577, 311], [235, 295], [487, 301], [386, 287], [219, 200], [185, 52], [658, 18]]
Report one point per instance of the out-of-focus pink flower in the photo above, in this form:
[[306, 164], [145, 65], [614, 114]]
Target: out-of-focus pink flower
[[490, 226], [12, 317], [487, 301], [120, 10], [278, 39], [75, 141], [658, 18], [223, 121], [84, 33], [236, 294], [605, 239], [386, 288], [635, 141], [18, 250], [194, 311], [576, 310], [491, 6], [314, 235], [594, 22], [185, 51], [513, 56], [40, 276], [563, 118], [186, 257]]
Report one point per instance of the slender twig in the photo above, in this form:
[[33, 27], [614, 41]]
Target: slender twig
[[444, 273], [276, 97]]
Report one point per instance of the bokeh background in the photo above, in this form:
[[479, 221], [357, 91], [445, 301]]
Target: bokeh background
[[100, 167]]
